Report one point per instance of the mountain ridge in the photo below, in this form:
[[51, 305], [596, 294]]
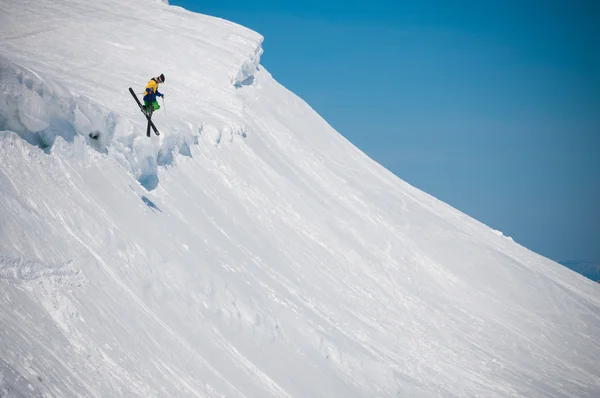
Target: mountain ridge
[[589, 269]]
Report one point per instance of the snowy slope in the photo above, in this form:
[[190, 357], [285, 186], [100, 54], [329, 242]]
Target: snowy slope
[[249, 250]]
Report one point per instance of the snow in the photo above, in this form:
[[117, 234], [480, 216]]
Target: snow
[[249, 250], [588, 269]]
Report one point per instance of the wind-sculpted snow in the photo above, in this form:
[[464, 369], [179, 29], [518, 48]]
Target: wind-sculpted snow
[[40, 110], [249, 250], [245, 75]]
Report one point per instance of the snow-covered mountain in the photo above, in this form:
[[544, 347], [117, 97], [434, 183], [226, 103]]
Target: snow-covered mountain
[[249, 250]]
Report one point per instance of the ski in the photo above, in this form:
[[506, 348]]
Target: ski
[[150, 123]]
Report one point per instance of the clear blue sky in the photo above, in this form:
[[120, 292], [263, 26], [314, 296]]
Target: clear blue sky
[[491, 106]]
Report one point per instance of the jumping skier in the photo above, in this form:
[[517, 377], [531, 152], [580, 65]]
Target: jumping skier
[[150, 103]]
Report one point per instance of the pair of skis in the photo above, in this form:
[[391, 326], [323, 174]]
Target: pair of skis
[[148, 115]]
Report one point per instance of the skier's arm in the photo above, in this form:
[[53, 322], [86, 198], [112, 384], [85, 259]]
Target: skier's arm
[[158, 94]]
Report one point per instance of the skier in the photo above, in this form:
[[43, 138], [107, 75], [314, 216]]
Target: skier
[[151, 93]]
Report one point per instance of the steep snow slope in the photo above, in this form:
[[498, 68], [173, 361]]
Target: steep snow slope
[[249, 250]]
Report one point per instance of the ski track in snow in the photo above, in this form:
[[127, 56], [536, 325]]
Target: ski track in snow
[[249, 250]]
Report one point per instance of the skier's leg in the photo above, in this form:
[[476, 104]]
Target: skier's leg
[[148, 107]]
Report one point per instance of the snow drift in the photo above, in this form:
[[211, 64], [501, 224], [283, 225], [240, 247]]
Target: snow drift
[[40, 110], [249, 250]]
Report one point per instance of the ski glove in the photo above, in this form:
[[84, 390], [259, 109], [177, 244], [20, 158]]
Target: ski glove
[[159, 94]]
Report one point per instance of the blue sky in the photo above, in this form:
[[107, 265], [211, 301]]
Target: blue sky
[[491, 106]]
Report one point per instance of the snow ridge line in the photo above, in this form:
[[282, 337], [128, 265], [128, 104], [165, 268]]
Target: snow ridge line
[[150, 313], [245, 75]]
